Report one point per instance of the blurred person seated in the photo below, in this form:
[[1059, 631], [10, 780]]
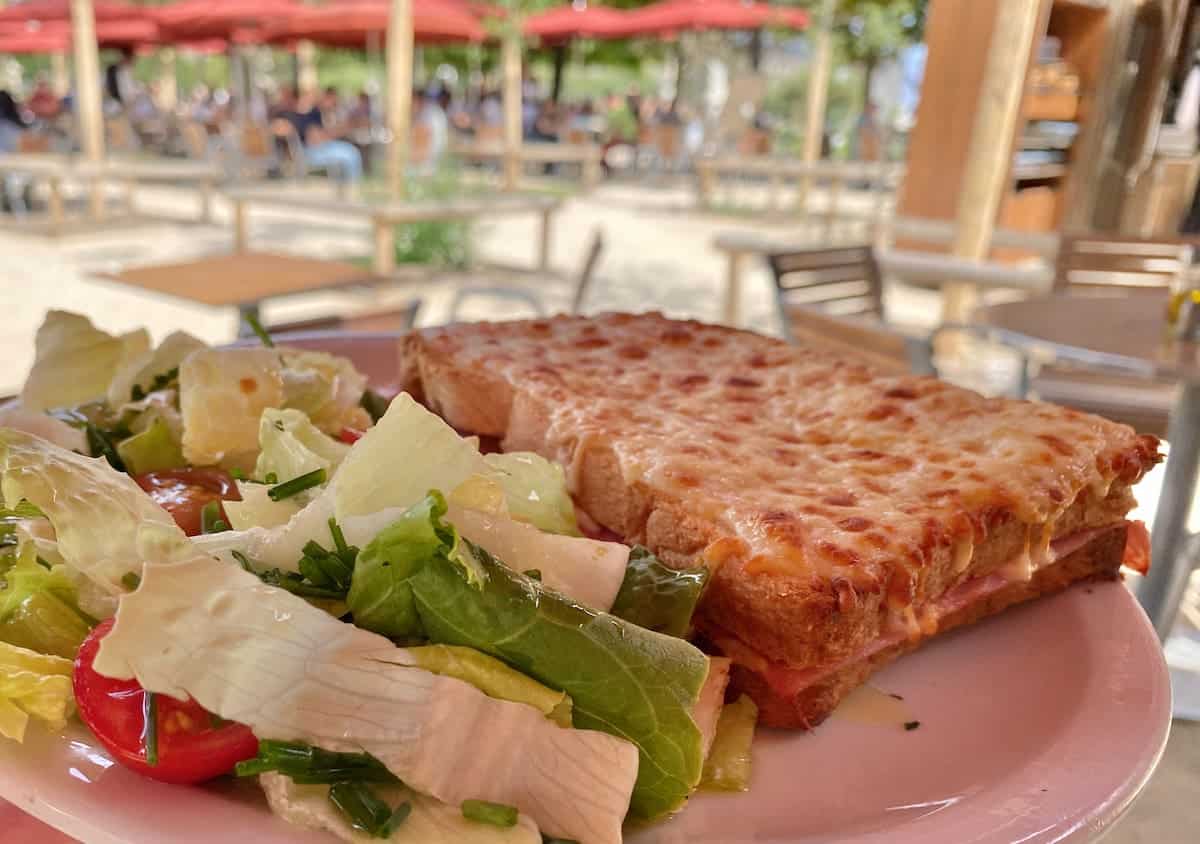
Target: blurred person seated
[[323, 146], [432, 115], [42, 102], [360, 115], [120, 88], [548, 125], [13, 124]]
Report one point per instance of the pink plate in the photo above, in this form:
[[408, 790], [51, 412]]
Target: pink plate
[[1039, 725]]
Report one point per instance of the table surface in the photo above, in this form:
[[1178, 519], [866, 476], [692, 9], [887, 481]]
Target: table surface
[[1121, 332], [242, 278]]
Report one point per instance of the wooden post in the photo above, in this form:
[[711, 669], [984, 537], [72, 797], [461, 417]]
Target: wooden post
[[989, 156], [306, 66], [168, 80], [511, 63], [89, 116], [241, 225], [544, 241], [60, 74], [818, 83], [399, 93]]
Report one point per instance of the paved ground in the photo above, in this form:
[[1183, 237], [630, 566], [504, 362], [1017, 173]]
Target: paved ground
[[658, 256]]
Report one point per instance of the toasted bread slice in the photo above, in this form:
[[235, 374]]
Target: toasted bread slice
[[835, 505]]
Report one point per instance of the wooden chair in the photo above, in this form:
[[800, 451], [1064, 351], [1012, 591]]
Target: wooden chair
[[1132, 266], [391, 321], [1108, 262], [583, 284], [832, 299]]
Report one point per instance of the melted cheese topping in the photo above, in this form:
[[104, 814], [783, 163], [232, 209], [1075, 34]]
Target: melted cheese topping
[[815, 464]]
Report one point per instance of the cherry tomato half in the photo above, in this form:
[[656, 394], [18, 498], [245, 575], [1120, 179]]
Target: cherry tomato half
[[193, 746], [350, 435], [184, 492]]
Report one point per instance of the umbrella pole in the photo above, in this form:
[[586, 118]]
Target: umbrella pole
[[511, 63], [818, 84], [399, 92], [60, 75], [88, 113]]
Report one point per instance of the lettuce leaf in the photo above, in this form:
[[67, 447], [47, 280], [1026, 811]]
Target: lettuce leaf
[[291, 446], [633, 683], [33, 685], [222, 396], [430, 822], [658, 597], [258, 509], [70, 437], [326, 388], [493, 678], [152, 450], [728, 765], [38, 607], [74, 361], [535, 490], [105, 525], [260, 656], [141, 371]]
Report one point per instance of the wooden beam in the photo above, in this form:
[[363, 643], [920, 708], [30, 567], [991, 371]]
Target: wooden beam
[[989, 156], [88, 113], [399, 93], [818, 83], [60, 74], [306, 65], [510, 54]]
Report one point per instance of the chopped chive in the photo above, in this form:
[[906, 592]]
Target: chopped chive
[[308, 765], [339, 538], [297, 485], [238, 474], [259, 331], [361, 806], [399, 815], [483, 811], [270, 478], [150, 728], [243, 560], [131, 580], [100, 444], [533, 574], [210, 518], [374, 404]]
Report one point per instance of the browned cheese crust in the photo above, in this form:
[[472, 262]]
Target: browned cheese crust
[[829, 500]]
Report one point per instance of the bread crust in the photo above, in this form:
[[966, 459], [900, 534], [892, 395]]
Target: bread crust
[[1099, 559]]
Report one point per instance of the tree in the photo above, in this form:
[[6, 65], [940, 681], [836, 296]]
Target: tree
[[871, 31]]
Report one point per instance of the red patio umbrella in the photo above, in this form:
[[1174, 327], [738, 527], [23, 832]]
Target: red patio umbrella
[[197, 20], [671, 16], [348, 24], [577, 20], [60, 10], [109, 33], [19, 41]]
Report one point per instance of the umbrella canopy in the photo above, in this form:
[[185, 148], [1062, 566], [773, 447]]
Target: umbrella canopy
[[195, 20], [577, 20], [60, 10], [671, 16], [347, 24], [55, 36]]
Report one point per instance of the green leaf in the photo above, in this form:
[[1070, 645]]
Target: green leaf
[[293, 446], [153, 450], [38, 608], [535, 490], [728, 765], [658, 597], [632, 683]]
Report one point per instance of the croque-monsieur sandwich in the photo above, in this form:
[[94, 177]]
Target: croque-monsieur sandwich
[[846, 516]]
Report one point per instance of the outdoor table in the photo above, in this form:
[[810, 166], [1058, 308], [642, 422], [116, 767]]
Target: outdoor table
[[47, 167], [1129, 335], [244, 280], [922, 268], [385, 216], [589, 157]]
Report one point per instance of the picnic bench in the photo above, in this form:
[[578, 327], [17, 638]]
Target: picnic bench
[[588, 157], [385, 216], [131, 173]]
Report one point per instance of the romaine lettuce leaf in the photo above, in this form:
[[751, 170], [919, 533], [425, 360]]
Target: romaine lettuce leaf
[[728, 765], [658, 597], [493, 678], [430, 822], [535, 490], [260, 656], [222, 396], [151, 450], [33, 685], [293, 446], [141, 371], [327, 388], [38, 607], [258, 509], [105, 525], [633, 683], [74, 361]]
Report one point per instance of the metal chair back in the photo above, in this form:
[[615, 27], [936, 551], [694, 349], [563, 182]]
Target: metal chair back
[[1115, 262], [841, 281], [583, 281], [394, 320]]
